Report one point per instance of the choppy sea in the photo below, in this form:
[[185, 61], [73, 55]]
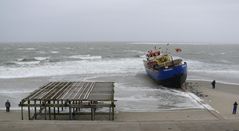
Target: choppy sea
[[120, 62]]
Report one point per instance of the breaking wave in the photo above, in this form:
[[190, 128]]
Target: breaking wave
[[90, 64], [85, 57], [128, 65]]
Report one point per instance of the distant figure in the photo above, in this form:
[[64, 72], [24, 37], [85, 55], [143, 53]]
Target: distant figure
[[7, 105], [234, 108], [213, 84]]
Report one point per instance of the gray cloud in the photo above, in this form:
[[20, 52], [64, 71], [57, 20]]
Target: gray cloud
[[120, 20]]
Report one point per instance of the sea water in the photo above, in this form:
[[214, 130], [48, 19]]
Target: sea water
[[120, 62]]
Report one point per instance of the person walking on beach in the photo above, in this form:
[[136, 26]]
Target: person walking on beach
[[234, 108], [7, 105], [213, 84]]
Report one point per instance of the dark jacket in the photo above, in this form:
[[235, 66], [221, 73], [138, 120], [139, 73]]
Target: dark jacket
[[7, 104]]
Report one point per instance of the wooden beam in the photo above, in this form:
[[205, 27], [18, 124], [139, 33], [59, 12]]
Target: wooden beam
[[113, 111], [72, 105], [22, 112], [70, 112], [35, 110], [58, 108], [54, 108], [45, 112], [109, 113], [29, 113], [49, 110], [74, 95]]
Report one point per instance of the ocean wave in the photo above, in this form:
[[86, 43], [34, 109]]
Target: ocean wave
[[41, 52], [54, 52], [27, 49], [85, 57], [142, 56], [32, 59], [9, 63], [41, 58], [127, 65], [197, 66], [28, 61], [135, 51], [87, 64]]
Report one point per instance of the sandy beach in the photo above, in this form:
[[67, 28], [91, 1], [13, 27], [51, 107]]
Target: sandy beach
[[221, 98], [220, 101]]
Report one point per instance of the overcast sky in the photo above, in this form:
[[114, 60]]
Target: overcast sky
[[214, 21]]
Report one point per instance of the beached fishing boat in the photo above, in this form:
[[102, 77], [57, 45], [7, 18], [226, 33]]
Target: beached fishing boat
[[165, 70]]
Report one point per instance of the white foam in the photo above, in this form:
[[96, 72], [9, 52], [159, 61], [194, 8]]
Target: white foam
[[135, 51], [136, 98], [154, 97], [29, 49], [41, 58], [85, 57], [54, 52], [129, 65], [142, 56], [41, 52], [28, 63]]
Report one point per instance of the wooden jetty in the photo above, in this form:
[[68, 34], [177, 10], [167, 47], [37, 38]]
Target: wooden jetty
[[56, 99]]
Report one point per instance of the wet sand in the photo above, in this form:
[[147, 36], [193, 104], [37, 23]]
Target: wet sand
[[221, 99]]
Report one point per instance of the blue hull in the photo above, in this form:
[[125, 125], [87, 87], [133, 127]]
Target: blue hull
[[173, 76]]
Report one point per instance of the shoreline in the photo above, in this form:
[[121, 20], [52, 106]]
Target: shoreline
[[210, 98], [219, 118]]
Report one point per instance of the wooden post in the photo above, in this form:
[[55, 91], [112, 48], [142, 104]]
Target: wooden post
[[40, 110], [21, 110], [80, 102], [58, 108], [113, 111], [94, 113], [29, 113], [62, 104], [54, 110], [91, 113], [35, 110], [75, 109], [70, 113], [45, 109], [109, 113], [77, 102], [49, 109]]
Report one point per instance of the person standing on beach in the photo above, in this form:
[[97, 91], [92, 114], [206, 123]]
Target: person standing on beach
[[213, 84], [234, 108], [7, 105]]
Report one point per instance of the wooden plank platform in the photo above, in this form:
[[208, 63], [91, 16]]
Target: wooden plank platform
[[73, 95]]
